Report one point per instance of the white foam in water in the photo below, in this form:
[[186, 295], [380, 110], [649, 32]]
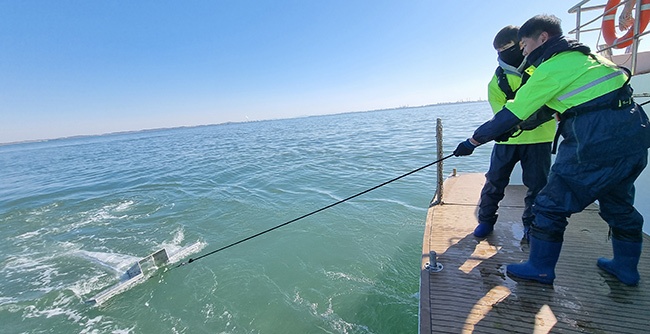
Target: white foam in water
[[95, 216], [124, 206], [58, 308], [7, 300], [32, 271], [175, 245], [28, 235]]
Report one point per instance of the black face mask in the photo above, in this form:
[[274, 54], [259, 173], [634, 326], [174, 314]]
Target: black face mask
[[512, 55]]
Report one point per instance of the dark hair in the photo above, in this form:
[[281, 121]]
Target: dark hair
[[506, 35], [550, 24]]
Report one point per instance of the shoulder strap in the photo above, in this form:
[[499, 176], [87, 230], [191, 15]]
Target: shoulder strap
[[502, 81]]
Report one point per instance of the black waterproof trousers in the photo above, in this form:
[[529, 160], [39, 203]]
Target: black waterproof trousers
[[603, 151], [535, 162]]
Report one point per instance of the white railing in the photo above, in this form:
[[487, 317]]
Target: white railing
[[595, 25]]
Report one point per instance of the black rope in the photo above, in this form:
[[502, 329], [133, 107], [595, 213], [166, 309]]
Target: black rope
[[313, 212]]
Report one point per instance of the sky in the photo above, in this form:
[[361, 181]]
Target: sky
[[71, 68]]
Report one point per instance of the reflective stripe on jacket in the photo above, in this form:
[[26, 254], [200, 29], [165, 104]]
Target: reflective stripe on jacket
[[560, 89]]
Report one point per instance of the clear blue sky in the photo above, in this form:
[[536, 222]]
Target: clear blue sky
[[90, 67]]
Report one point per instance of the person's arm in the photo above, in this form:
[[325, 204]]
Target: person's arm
[[530, 97], [503, 121]]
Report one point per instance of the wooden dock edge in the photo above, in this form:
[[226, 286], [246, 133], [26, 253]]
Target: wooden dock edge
[[425, 325]]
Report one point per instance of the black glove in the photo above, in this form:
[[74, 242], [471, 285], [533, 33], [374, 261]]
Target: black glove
[[464, 148]]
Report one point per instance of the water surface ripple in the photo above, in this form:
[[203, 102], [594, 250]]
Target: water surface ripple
[[75, 213]]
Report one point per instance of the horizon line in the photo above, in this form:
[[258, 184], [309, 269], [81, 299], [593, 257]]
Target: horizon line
[[29, 141]]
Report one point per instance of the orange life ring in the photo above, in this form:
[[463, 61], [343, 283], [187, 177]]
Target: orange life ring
[[609, 24]]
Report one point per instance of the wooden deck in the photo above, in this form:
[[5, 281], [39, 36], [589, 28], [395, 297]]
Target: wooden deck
[[472, 293]]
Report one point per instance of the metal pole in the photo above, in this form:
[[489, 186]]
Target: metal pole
[[578, 15], [437, 198], [635, 36]]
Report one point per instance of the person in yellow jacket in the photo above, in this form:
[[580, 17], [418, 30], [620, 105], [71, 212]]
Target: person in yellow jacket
[[605, 143], [532, 149]]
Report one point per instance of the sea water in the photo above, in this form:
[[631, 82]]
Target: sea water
[[76, 213]]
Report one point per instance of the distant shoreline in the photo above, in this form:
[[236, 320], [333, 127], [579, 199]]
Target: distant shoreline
[[30, 141]]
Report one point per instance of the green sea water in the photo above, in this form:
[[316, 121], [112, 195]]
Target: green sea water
[[76, 213]]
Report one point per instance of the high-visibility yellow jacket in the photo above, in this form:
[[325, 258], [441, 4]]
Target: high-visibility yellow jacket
[[498, 98], [560, 89], [600, 121]]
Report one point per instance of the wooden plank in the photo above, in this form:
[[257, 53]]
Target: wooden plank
[[473, 293]]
